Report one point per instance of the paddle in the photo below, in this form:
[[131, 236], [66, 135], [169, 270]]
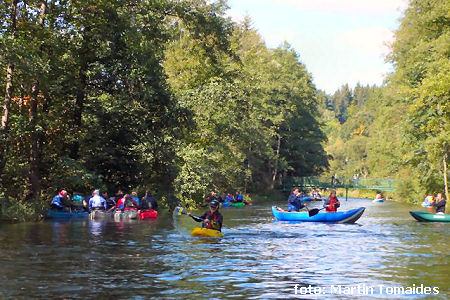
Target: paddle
[[182, 211], [311, 212], [314, 211]]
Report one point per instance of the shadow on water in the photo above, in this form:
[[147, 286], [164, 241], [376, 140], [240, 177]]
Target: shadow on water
[[257, 257]]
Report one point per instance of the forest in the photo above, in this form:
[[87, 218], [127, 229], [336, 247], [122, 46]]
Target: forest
[[177, 98]]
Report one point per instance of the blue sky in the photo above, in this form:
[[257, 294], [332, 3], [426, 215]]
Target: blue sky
[[339, 41]]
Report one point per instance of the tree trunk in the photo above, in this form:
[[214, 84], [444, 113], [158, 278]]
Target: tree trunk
[[34, 175], [85, 57], [79, 106], [445, 175], [275, 171], [34, 159], [4, 127]]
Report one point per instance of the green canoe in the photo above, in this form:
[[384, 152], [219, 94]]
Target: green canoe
[[424, 216], [238, 204]]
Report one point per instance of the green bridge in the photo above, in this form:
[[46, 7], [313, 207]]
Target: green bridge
[[376, 184]]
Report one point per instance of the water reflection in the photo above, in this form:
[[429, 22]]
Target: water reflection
[[257, 258]]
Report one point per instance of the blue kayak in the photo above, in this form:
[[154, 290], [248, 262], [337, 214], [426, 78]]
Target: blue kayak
[[349, 216], [56, 214]]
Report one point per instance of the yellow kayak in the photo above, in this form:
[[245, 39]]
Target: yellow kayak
[[197, 231]]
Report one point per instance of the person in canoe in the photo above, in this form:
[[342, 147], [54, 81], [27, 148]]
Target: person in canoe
[[136, 199], [239, 197], [130, 203], [120, 204], [229, 198], [79, 202], [295, 200], [212, 196], [316, 195], [212, 219], [119, 195], [60, 201], [118, 200], [97, 202], [332, 203], [428, 202], [148, 201], [110, 201], [126, 203], [440, 203], [247, 199]]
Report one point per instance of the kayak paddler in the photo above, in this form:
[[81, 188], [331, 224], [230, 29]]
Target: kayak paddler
[[295, 200], [440, 203], [332, 203], [97, 202], [60, 201], [212, 219]]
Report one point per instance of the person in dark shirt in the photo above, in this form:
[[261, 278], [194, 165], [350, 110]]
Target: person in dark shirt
[[239, 197], [148, 201], [440, 203], [110, 201], [60, 201], [212, 219], [295, 200]]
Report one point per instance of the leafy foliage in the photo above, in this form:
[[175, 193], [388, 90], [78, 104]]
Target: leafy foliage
[[402, 129], [165, 95]]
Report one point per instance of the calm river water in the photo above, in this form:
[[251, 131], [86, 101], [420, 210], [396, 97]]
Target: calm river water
[[257, 259]]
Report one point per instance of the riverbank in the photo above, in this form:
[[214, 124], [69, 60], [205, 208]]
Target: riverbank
[[368, 194], [20, 211]]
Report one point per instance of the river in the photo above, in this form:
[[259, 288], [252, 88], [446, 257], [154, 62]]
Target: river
[[385, 254]]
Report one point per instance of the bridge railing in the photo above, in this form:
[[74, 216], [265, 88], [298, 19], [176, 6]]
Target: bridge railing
[[380, 184]]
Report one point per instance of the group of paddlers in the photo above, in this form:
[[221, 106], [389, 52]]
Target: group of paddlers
[[102, 201], [298, 200], [228, 198]]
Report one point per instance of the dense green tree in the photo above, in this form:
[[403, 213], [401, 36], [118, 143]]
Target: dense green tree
[[401, 130], [253, 111], [421, 54], [87, 103], [341, 100]]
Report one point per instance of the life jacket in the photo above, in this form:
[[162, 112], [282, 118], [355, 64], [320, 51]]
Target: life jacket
[[137, 200], [130, 203], [333, 204], [77, 199], [120, 203], [239, 198], [215, 220], [58, 200], [97, 202], [229, 198]]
